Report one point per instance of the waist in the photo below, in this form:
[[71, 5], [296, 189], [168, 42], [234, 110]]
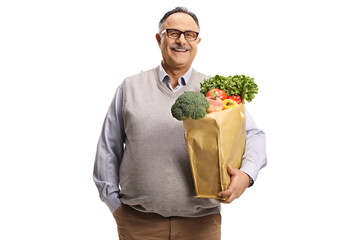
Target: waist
[[188, 208], [133, 210]]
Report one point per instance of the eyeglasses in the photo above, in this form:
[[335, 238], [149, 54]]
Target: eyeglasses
[[175, 34]]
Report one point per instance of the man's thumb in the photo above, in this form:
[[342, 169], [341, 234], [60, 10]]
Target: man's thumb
[[231, 170]]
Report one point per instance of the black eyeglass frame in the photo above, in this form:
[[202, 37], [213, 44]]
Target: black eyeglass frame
[[181, 32]]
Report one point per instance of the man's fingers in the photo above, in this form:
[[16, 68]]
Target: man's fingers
[[226, 193], [228, 200], [229, 194]]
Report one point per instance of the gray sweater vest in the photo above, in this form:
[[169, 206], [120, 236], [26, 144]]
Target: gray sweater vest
[[155, 175]]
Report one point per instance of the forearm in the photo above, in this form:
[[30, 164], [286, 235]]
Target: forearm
[[109, 154], [106, 177], [254, 157]]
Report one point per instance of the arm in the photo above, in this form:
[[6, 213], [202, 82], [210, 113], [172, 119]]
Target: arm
[[253, 160], [109, 154], [255, 149]]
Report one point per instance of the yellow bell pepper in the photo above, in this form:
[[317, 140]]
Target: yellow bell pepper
[[229, 103]]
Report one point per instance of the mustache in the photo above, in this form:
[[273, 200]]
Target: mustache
[[173, 46]]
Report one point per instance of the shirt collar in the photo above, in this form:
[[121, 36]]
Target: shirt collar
[[183, 80]]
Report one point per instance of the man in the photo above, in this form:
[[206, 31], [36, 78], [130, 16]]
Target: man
[[142, 148]]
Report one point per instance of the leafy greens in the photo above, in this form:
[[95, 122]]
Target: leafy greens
[[240, 85]]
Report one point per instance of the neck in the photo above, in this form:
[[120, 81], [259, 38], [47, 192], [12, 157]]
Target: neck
[[174, 73]]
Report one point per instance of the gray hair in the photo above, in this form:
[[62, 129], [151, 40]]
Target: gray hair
[[175, 10]]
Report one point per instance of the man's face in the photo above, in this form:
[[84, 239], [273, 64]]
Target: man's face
[[172, 50]]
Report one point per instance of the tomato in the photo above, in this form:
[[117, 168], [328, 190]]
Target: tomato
[[236, 98], [219, 93]]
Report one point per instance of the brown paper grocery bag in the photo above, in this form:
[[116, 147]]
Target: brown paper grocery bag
[[213, 143]]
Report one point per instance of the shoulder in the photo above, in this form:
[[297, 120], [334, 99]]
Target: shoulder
[[200, 75], [150, 72], [133, 79], [197, 78]]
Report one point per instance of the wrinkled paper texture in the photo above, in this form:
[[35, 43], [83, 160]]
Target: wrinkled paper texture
[[213, 143]]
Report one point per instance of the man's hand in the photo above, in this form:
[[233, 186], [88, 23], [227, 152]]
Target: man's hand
[[238, 183]]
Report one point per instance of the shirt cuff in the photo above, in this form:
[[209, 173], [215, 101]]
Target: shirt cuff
[[250, 169], [113, 201]]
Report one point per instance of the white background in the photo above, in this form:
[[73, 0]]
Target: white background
[[61, 62]]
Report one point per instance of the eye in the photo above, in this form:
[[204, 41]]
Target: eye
[[190, 35], [173, 33]]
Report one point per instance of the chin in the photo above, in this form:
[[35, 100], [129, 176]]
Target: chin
[[182, 64], [179, 61]]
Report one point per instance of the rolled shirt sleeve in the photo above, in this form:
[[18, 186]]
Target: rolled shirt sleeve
[[254, 157], [109, 154]]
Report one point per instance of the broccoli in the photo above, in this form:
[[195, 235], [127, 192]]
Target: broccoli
[[190, 104]]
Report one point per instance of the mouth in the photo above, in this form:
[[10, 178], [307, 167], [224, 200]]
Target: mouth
[[181, 49]]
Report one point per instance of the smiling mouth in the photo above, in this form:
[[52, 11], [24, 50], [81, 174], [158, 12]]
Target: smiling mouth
[[180, 48]]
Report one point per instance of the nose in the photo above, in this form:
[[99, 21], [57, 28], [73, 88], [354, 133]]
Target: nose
[[181, 38]]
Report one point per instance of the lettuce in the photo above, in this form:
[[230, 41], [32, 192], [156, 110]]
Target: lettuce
[[240, 85]]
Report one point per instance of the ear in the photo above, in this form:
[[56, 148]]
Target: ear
[[199, 39], [158, 38]]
